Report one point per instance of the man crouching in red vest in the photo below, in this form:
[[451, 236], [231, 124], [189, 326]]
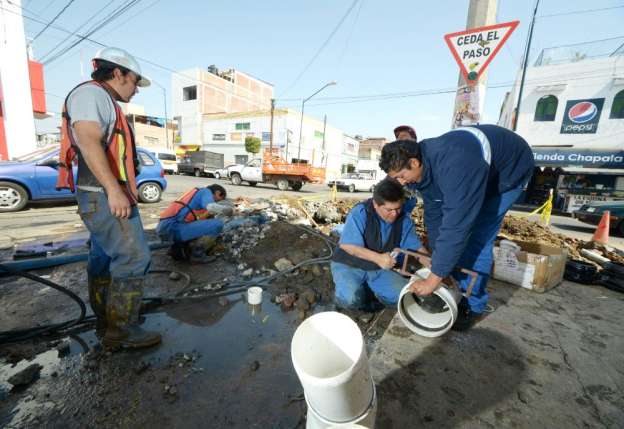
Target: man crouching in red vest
[[96, 134], [187, 219]]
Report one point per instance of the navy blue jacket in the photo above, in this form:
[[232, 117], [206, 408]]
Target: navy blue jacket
[[456, 179]]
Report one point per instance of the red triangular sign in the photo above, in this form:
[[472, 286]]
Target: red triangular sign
[[474, 49]]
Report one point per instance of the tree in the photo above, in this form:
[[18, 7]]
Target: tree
[[252, 144]]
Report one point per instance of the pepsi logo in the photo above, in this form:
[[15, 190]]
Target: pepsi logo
[[583, 111]]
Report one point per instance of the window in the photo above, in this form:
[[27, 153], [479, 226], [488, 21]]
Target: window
[[242, 126], [617, 109], [236, 137], [166, 156], [150, 141], [218, 137], [266, 136], [241, 159], [145, 159], [189, 93], [546, 108]]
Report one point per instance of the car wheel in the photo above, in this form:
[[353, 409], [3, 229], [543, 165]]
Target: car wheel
[[351, 188], [236, 179], [197, 173], [13, 197], [150, 192], [217, 176], [253, 183], [282, 184], [296, 186]]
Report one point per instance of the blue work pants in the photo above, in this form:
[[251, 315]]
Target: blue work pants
[[176, 231]]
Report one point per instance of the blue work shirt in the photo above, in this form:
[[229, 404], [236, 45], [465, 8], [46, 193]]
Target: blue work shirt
[[457, 178], [353, 231]]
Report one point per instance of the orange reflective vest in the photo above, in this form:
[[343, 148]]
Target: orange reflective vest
[[184, 201], [120, 149]]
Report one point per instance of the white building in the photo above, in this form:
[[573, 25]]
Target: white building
[[322, 145], [572, 115]]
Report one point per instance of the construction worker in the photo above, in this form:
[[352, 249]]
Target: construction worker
[[468, 179], [363, 260], [189, 218], [96, 131], [405, 132]]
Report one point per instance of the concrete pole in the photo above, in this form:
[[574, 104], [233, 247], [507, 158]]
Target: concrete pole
[[17, 106], [480, 13]]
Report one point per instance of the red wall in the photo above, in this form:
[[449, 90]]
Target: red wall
[[37, 87], [4, 150]]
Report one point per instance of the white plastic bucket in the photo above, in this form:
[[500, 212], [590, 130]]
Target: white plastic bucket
[[423, 322], [365, 421], [329, 357], [254, 295]]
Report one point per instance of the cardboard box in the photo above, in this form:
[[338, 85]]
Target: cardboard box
[[536, 266]]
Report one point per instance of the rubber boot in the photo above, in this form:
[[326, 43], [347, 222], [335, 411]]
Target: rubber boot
[[123, 306], [98, 289], [198, 255]]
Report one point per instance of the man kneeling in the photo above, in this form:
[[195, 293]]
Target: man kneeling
[[188, 219], [362, 263]]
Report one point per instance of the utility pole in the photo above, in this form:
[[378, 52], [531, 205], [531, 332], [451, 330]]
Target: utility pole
[[480, 14], [524, 67], [271, 126]]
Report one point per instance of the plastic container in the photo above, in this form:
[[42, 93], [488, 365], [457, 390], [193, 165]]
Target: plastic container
[[254, 295], [423, 322], [329, 356]]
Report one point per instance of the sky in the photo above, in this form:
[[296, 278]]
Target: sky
[[391, 47]]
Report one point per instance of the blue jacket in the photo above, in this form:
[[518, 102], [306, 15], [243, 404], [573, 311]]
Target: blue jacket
[[456, 179]]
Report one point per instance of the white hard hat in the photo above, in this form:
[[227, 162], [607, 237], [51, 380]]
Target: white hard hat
[[124, 59]]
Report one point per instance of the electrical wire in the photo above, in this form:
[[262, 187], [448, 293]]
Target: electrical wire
[[576, 12], [53, 20]]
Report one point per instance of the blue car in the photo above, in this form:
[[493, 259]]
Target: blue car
[[32, 177]]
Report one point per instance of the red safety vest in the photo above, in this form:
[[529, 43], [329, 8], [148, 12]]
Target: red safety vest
[[184, 201], [120, 149]]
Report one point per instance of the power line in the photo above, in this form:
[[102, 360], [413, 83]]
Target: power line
[[576, 12], [331, 35], [53, 19]]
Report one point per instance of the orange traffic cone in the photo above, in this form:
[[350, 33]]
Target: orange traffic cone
[[602, 232]]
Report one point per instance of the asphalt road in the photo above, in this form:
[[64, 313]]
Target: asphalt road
[[53, 219]]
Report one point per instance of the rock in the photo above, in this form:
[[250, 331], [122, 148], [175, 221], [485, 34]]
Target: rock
[[241, 267], [309, 296], [283, 264], [25, 376], [316, 270], [302, 314], [254, 366], [287, 300], [328, 213], [366, 318], [175, 276], [302, 303], [248, 272], [223, 301]]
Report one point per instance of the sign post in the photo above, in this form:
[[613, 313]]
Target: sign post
[[473, 51]]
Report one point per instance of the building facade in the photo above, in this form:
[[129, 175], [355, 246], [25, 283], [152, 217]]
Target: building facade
[[199, 92], [322, 145], [572, 115]]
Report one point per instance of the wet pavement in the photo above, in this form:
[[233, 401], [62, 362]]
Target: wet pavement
[[222, 363]]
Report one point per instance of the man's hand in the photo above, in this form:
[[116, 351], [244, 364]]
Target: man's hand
[[386, 261], [118, 202], [426, 287]]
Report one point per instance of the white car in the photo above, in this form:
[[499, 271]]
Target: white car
[[224, 173], [354, 182]]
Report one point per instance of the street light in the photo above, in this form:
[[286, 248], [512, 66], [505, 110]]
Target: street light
[[333, 82], [165, 100]]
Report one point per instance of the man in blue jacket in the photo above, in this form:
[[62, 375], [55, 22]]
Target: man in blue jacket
[[468, 178], [363, 260]]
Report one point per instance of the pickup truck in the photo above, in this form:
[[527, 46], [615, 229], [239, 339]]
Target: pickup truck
[[200, 163], [273, 169], [354, 182]]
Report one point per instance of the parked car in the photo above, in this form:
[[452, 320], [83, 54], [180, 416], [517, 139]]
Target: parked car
[[167, 158], [224, 173], [592, 213], [354, 182], [32, 177]]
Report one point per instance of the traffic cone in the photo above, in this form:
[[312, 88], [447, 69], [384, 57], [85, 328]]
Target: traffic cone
[[602, 232]]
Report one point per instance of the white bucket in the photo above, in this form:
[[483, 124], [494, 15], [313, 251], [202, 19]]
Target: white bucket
[[421, 321], [365, 421], [329, 357], [254, 295]]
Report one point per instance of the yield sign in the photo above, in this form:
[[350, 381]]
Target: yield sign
[[474, 49]]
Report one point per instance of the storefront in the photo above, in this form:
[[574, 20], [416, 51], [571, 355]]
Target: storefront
[[577, 176]]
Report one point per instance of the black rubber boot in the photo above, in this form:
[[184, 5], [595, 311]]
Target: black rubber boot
[[466, 318], [98, 289], [123, 306]]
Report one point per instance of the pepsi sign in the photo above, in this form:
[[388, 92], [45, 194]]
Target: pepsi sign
[[582, 116]]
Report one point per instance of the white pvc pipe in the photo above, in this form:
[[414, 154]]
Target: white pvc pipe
[[254, 295], [423, 322], [365, 421], [329, 356]]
